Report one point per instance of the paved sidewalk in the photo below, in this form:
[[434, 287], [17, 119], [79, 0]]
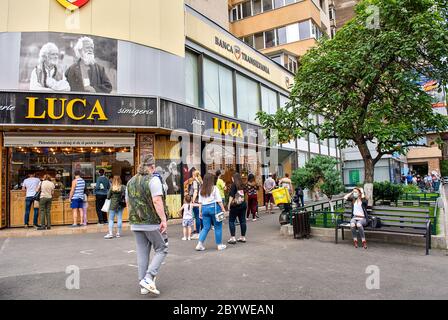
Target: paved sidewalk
[[268, 266]]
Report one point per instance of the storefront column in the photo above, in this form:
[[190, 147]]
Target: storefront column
[[4, 191]]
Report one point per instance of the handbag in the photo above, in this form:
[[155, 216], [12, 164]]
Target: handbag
[[375, 222], [220, 217], [123, 200], [36, 196], [106, 206]]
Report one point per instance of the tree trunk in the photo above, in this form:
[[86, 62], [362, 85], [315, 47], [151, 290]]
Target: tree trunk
[[369, 170]]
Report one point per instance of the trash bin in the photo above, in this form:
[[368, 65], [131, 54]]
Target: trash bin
[[301, 224]]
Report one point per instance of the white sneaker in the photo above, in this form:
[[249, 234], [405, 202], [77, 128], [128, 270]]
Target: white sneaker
[[118, 235], [254, 220], [108, 236], [189, 239], [149, 285], [144, 291], [195, 236], [200, 247], [184, 239], [221, 247]]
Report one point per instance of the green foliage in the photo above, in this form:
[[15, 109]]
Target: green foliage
[[410, 188], [320, 172], [444, 168], [387, 191], [365, 81]]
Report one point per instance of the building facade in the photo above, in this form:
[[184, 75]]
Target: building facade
[[102, 86], [284, 30]]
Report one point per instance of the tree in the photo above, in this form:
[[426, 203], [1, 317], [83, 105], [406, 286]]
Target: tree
[[365, 81], [320, 172]]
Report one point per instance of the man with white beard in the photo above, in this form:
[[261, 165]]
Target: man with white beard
[[86, 75], [46, 76]]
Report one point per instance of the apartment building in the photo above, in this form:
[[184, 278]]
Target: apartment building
[[283, 30]]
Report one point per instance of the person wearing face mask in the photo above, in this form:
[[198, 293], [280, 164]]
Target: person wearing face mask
[[359, 215]]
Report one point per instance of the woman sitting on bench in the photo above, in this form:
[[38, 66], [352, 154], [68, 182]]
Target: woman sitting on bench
[[359, 215]]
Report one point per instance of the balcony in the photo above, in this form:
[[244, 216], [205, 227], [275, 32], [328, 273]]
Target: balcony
[[289, 14]]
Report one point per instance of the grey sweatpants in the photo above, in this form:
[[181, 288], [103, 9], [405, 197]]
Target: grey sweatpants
[[145, 240], [358, 224]]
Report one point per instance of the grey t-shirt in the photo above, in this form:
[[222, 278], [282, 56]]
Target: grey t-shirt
[[156, 187]]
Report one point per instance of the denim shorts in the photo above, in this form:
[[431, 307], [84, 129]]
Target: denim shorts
[[76, 204], [187, 223]]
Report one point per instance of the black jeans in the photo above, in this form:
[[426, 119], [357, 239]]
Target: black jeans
[[99, 202], [240, 213]]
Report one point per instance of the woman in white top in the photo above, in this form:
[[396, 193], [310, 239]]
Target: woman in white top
[[210, 203], [359, 215]]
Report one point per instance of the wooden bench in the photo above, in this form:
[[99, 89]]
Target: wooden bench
[[396, 220]]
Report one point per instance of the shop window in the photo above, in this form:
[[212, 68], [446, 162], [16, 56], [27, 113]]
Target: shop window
[[283, 101], [289, 2], [191, 79], [248, 98]]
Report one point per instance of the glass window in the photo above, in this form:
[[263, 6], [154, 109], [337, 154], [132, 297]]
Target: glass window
[[333, 143], [277, 59], [269, 102], [281, 36], [191, 78], [270, 39], [234, 15], [256, 6], [283, 101], [289, 2], [249, 40], [259, 41], [267, 5], [278, 3], [218, 88], [226, 91], [247, 10], [292, 33], [248, 98], [304, 30], [211, 85]]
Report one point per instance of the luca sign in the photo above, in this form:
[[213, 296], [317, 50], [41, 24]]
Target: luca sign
[[73, 5], [228, 128], [77, 110]]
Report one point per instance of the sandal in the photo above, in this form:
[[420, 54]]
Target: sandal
[[241, 240], [231, 241]]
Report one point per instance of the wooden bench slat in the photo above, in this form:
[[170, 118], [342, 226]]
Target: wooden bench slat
[[404, 225], [381, 208]]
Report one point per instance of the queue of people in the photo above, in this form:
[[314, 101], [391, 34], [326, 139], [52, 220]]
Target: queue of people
[[427, 183]]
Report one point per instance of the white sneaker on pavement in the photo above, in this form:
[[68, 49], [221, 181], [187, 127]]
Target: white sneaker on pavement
[[184, 239], [149, 285], [108, 236], [144, 291], [222, 247], [200, 247]]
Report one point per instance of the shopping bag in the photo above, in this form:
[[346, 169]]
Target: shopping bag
[[106, 206]]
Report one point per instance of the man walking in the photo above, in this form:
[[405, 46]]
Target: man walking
[[30, 185], [147, 217], [101, 190], [269, 185]]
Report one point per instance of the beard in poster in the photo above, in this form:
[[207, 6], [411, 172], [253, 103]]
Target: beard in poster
[[86, 75]]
